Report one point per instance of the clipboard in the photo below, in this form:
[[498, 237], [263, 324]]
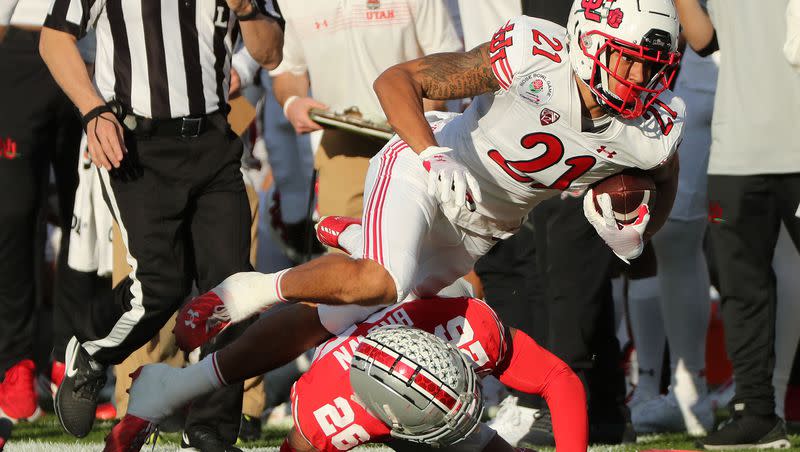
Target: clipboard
[[351, 120]]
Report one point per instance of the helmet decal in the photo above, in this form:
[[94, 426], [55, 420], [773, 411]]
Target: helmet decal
[[615, 18]]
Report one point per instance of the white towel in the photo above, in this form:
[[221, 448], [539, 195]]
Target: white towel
[[90, 242]]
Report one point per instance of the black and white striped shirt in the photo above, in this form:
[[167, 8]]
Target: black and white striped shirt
[[160, 58]]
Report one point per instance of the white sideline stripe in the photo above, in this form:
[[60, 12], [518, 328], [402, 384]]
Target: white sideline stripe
[[129, 318], [43, 446]]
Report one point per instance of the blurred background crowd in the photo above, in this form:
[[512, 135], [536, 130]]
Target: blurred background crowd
[[705, 320]]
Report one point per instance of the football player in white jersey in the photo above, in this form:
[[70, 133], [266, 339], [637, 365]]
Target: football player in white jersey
[[556, 109]]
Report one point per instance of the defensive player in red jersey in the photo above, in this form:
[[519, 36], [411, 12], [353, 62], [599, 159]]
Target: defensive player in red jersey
[[327, 415], [471, 325]]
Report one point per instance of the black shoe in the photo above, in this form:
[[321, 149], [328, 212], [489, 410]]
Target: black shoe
[[76, 399], [541, 431], [205, 439], [748, 432], [250, 429]]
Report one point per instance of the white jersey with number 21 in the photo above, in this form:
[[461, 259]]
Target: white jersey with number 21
[[524, 142]]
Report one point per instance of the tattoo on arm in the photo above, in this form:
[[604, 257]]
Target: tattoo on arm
[[457, 75]]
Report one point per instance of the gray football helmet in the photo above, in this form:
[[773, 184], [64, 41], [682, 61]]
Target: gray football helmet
[[423, 388]]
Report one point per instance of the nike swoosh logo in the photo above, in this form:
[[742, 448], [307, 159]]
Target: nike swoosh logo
[[71, 358]]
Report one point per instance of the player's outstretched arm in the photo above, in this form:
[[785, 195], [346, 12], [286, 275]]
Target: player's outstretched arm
[[530, 368], [666, 180], [440, 76]]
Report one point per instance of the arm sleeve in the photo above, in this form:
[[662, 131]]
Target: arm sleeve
[[791, 49], [434, 28], [6, 11], [73, 16], [532, 369]]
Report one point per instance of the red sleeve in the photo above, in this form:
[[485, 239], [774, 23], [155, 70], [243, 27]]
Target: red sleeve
[[532, 369]]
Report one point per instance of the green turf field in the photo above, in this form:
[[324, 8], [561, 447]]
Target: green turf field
[[46, 435]]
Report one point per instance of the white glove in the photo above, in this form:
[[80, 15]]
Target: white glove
[[626, 241], [449, 180]]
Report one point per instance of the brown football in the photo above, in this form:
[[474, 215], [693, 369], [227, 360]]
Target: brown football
[[629, 189]]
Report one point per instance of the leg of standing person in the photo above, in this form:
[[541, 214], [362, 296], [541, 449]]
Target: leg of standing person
[[786, 265], [221, 210], [744, 240], [151, 211], [576, 278], [342, 161], [26, 140], [291, 163], [510, 279]]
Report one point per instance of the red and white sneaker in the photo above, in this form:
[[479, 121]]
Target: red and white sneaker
[[199, 320], [57, 370], [330, 228], [105, 411], [18, 401], [129, 435]]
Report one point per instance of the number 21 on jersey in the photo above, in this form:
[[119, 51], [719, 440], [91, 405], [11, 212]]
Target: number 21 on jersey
[[519, 170]]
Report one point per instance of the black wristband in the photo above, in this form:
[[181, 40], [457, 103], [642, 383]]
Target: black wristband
[[711, 47], [255, 11], [95, 112]]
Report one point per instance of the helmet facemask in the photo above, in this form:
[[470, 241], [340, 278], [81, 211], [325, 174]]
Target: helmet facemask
[[628, 99]]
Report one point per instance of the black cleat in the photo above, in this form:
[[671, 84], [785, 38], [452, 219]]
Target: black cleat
[[250, 429], [748, 432], [205, 439], [76, 399]]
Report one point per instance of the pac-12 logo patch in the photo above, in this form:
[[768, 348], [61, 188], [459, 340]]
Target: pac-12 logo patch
[[535, 88], [373, 4], [548, 116]]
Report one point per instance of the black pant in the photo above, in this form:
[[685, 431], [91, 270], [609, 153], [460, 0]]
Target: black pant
[[183, 212], [576, 274], [743, 240], [38, 127]]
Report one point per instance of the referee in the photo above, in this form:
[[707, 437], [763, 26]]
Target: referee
[[170, 171]]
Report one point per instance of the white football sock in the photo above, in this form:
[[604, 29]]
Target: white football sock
[[648, 334], [683, 280], [160, 389], [247, 293], [352, 240]]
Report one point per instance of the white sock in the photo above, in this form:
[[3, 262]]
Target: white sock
[[160, 389], [648, 334], [352, 239], [247, 293]]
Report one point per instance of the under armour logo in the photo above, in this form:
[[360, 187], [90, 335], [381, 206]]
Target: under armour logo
[[602, 150], [193, 316]]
